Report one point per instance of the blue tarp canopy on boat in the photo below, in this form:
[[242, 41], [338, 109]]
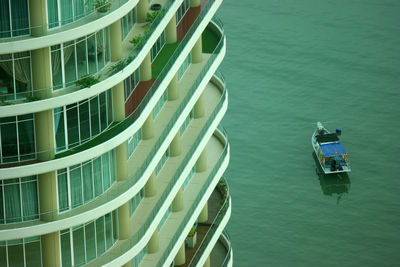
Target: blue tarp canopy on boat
[[332, 149]]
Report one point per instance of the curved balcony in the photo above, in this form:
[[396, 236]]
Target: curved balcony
[[117, 195], [125, 129], [108, 77], [219, 211], [151, 210], [43, 35], [196, 194], [111, 76], [222, 253]]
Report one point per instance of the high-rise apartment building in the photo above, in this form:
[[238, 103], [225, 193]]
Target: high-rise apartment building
[[110, 147]]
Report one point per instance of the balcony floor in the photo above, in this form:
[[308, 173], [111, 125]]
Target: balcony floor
[[214, 149], [212, 96], [214, 205], [218, 254]]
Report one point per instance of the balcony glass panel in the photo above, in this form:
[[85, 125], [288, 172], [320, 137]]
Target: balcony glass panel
[[158, 45], [130, 83], [133, 142], [182, 10], [139, 257], [135, 201], [185, 66]]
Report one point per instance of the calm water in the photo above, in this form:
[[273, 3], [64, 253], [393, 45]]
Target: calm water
[[289, 64]]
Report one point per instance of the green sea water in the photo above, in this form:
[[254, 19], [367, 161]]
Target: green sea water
[[289, 64]]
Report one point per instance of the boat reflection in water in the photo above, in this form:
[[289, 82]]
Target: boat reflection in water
[[332, 184]]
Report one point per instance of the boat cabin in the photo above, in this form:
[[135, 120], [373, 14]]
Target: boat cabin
[[333, 155]]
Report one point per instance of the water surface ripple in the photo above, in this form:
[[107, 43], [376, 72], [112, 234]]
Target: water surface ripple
[[289, 64]]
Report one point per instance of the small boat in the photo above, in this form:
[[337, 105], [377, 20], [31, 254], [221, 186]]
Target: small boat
[[330, 152]]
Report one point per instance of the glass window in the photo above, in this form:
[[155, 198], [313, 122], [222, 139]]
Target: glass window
[[33, 252], [98, 180], [65, 248], [127, 23], [92, 53], [100, 49], [70, 70], [88, 241], [56, 68], [14, 18], [87, 174], [83, 121], [62, 183], [21, 252], [78, 237], [76, 186], [75, 59], [72, 125], [94, 115], [52, 13], [106, 171], [16, 255], [81, 55], [17, 136], [66, 11], [70, 10], [100, 236], [83, 182], [109, 230], [103, 111], [15, 76]]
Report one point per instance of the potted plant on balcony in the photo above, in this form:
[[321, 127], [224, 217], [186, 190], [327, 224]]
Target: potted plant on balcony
[[223, 189], [135, 40], [102, 6], [150, 17], [191, 238]]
